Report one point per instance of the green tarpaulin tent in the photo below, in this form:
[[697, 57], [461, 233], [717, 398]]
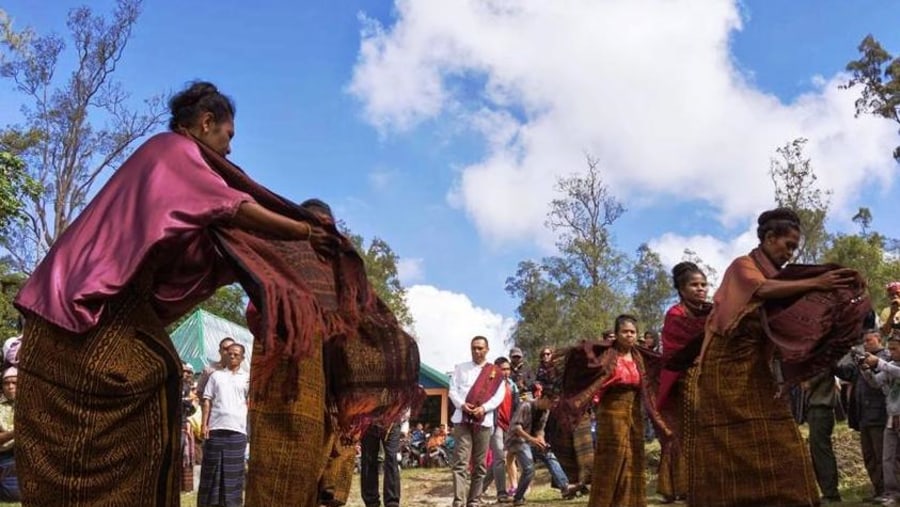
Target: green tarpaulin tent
[[197, 339]]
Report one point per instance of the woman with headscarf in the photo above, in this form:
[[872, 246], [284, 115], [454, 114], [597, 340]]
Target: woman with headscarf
[[682, 335], [744, 447], [890, 316]]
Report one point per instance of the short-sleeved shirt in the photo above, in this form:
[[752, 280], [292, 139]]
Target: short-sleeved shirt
[[525, 418], [6, 422], [228, 392]]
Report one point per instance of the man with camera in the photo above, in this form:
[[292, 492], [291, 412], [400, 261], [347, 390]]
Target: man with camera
[[866, 412], [886, 375]]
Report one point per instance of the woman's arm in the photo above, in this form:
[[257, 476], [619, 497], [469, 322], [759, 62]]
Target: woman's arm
[[776, 289], [251, 216]]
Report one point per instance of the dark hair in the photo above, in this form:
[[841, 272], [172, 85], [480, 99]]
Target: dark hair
[[683, 271], [199, 97], [651, 334], [778, 221], [622, 319], [318, 206], [479, 337], [236, 344], [226, 339], [500, 360]]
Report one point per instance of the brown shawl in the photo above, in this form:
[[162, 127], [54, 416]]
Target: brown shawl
[[588, 365], [274, 275], [809, 332]]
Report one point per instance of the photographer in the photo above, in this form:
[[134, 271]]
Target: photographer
[[890, 316], [887, 376], [866, 411]]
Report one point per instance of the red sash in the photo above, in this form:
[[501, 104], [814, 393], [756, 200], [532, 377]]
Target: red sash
[[485, 386]]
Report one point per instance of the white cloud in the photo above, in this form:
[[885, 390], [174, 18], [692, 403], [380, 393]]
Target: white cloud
[[381, 179], [410, 270], [650, 87], [715, 252], [445, 322]]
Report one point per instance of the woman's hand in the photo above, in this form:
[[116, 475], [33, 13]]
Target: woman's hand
[[324, 243], [835, 279]]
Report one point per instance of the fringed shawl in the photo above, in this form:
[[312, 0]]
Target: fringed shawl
[[274, 274], [809, 332], [588, 366]]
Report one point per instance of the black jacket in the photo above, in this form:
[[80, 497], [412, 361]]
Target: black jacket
[[867, 405]]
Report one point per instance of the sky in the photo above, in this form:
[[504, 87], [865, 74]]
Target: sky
[[441, 127]]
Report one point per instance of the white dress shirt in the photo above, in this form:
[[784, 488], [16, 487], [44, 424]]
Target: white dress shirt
[[463, 378]]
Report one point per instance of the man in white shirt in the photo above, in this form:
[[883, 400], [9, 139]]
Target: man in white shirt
[[475, 391], [225, 432]]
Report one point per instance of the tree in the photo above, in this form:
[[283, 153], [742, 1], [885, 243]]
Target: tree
[[653, 291], [61, 144], [381, 270], [577, 293], [866, 254], [795, 188], [879, 75], [10, 283], [863, 218], [15, 186]]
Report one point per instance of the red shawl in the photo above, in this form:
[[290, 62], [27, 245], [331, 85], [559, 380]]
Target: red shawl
[[682, 337], [483, 389]]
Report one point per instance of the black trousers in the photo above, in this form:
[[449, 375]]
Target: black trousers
[[821, 426], [373, 440]]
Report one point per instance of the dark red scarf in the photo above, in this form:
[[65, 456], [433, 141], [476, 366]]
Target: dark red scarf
[[482, 390]]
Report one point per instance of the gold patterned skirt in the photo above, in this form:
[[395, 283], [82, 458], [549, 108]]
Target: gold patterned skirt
[[98, 414]]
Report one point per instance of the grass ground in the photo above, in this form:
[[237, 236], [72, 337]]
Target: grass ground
[[433, 486]]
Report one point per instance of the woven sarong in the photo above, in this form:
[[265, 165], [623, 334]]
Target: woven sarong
[[744, 448], [673, 471], [574, 450], [222, 471], [97, 414], [287, 437], [334, 487], [187, 457], [618, 478]]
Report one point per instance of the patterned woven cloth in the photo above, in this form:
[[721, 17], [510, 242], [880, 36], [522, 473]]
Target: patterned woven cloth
[[98, 419], [618, 478]]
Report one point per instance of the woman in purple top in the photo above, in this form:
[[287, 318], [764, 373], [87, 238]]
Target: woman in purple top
[[99, 377]]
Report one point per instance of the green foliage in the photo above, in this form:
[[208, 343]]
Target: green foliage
[[577, 294], [228, 302], [15, 185], [795, 188], [878, 73], [10, 283], [63, 150], [381, 270], [653, 291], [868, 255]]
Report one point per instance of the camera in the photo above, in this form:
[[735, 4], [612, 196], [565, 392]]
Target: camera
[[859, 356]]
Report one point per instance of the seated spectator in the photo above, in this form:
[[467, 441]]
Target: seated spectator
[[417, 434], [9, 482], [437, 439]]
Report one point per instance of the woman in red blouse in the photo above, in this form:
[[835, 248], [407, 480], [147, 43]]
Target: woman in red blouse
[[618, 478]]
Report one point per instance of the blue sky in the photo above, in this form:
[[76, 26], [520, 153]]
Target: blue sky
[[440, 127]]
